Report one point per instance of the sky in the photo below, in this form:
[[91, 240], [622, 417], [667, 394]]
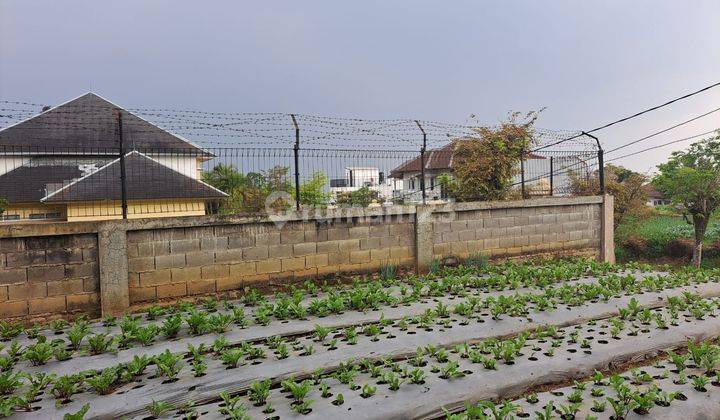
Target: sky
[[588, 62]]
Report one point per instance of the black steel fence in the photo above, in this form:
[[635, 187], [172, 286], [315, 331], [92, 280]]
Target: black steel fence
[[89, 159], [92, 183]]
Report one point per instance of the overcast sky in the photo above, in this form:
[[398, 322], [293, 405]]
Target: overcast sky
[[588, 62]]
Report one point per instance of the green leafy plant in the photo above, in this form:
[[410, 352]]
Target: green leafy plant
[[259, 391], [78, 415], [159, 408], [103, 381]]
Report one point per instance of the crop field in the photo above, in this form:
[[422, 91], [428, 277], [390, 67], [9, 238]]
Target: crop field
[[537, 339]]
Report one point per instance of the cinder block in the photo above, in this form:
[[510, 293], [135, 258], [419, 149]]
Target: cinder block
[[153, 278], [379, 230], [338, 233], [230, 255], [136, 265], [63, 256], [25, 258], [357, 232], [506, 242], [211, 244], [327, 247], [491, 243], [184, 246], [46, 305], [337, 258], [466, 235], [201, 287], [169, 261], [13, 275], [26, 291], [158, 248], [269, 238], [244, 241], [379, 254], [438, 249], [243, 269], [348, 245], [458, 248], [280, 251], [91, 254], [64, 287], [316, 260], [228, 283], [292, 236], [303, 249], [272, 265], [92, 284], [370, 243], [45, 273], [200, 258], [142, 294], [292, 264], [13, 309], [3, 293], [314, 234], [255, 253], [215, 271], [87, 302], [358, 257], [171, 290], [82, 270], [187, 274]]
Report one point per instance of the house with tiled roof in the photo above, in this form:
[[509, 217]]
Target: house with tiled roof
[[65, 164], [440, 161]]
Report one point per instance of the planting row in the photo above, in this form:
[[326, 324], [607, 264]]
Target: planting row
[[684, 385], [107, 350], [478, 368]]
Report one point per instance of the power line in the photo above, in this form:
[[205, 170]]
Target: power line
[[637, 114], [664, 144], [663, 131]]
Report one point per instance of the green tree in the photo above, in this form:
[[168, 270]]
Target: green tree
[[361, 197], [484, 166], [626, 186], [312, 191], [224, 177], [249, 193], [3, 205], [691, 178]]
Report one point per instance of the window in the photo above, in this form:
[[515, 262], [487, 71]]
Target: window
[[412, 183], [42, 216], [432, 183], [10, 217]]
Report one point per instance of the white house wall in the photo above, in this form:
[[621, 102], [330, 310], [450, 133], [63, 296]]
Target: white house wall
[[185, 165], [8, 163]]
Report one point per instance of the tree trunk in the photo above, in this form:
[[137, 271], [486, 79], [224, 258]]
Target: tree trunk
[[700, 222]]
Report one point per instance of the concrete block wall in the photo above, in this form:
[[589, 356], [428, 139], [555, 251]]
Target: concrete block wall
[[184, 261], [60, 268], [46, 275], [546, 226]]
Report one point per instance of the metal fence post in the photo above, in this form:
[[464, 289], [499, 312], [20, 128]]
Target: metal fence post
[[552, 169], [522, 173], [422, 161], [297, 162], [123, 178], [601, 162]]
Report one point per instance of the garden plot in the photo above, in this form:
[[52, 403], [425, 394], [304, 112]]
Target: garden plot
[[193, 328], [443, 312], [682, 386], [420, 385]]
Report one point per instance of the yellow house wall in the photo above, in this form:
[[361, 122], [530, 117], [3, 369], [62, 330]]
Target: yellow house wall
[[25, 210], [109, 210]]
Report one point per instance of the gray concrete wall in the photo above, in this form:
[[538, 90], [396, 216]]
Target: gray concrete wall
[[60, 268]]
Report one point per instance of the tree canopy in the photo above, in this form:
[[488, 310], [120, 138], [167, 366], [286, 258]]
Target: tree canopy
[[691, 179]]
